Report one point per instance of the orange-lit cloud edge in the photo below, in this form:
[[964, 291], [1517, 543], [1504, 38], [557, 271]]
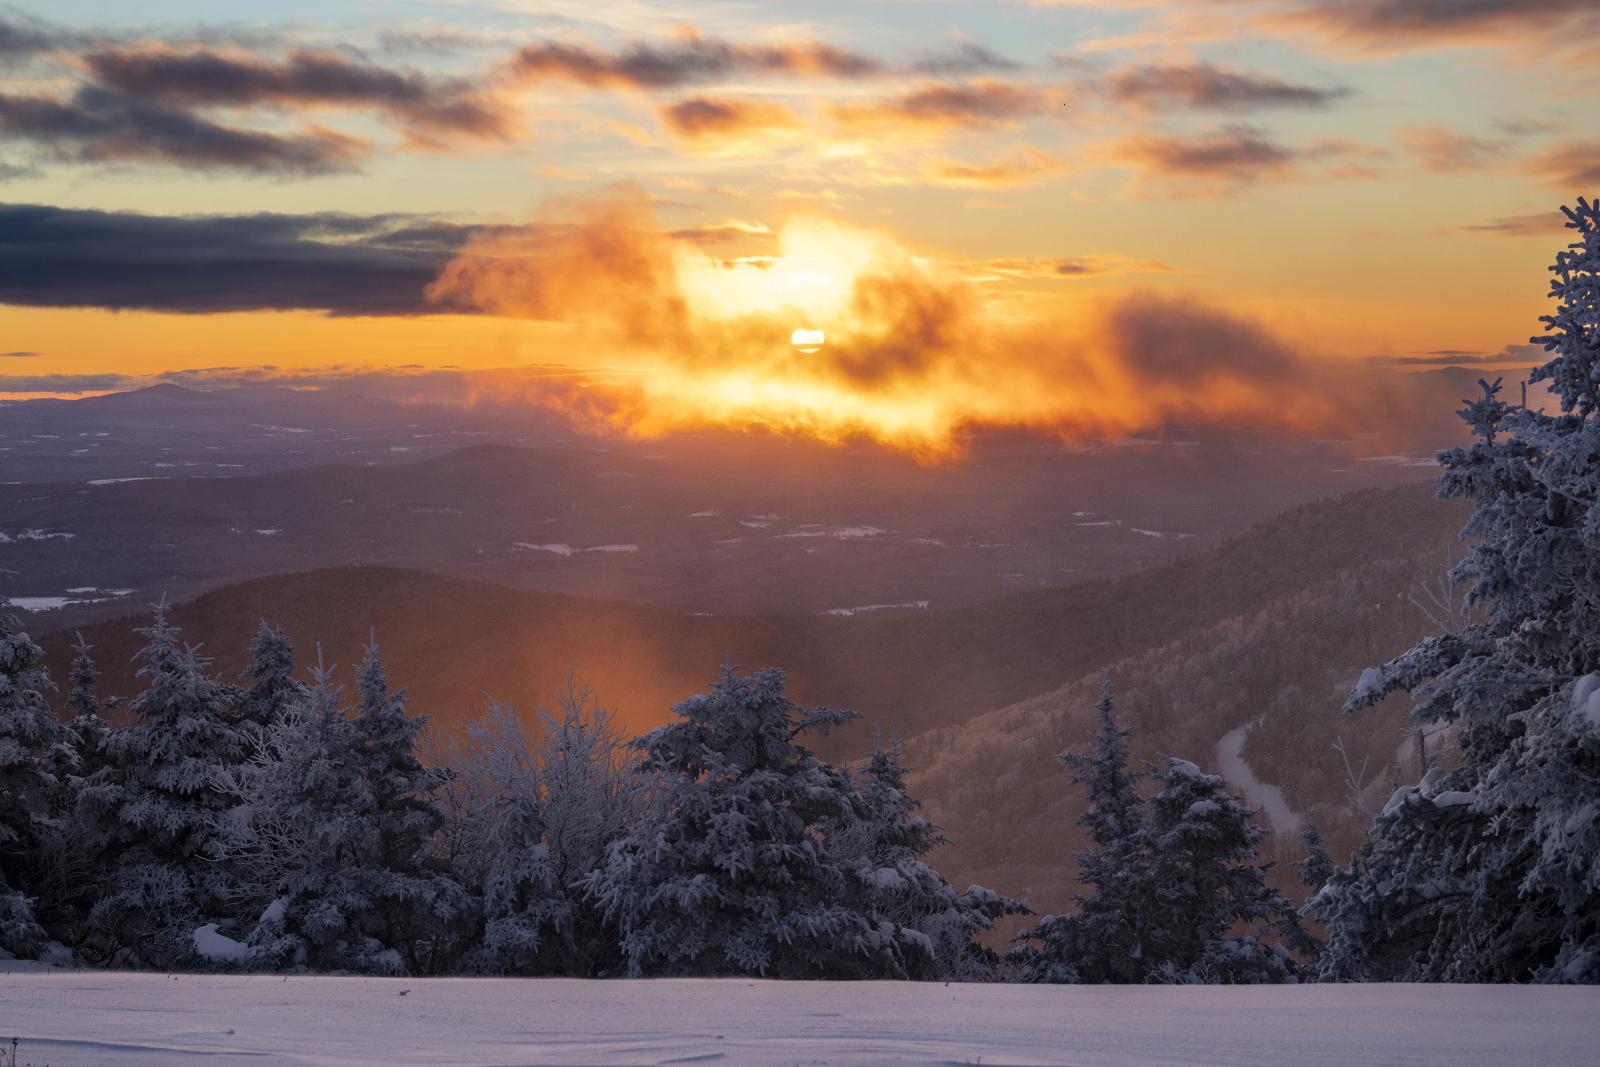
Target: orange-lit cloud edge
[[919, 351]]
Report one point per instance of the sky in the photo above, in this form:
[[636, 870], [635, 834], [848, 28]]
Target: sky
[[981, 202]]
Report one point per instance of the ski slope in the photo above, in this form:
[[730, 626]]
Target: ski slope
[[93, 1019]]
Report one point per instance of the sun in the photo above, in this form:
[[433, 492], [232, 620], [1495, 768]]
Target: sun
[[807, 341]]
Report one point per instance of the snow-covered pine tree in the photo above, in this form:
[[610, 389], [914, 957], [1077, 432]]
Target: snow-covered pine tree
[[273, 688], [886, 847], [30, 743], [1490, 871], [331, 835], [1104, 941], [727, 873], [1211, 908], [152, 809], [556, 805], [417, 906], [293, 830], [1317, 867]]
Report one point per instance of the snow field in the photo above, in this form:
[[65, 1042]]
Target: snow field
[[100, 1019]]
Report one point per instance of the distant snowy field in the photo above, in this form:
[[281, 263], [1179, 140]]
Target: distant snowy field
[[90, 1019]]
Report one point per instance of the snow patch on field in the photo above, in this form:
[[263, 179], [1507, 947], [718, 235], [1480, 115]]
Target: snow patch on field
[[564, 549], [839, 533], [90, 1019], [1269, 798], [865, 609], [557, 548]]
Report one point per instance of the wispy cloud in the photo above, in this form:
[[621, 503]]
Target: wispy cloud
[[1224, 160], [429, 107], [1206, 86], [980, 103], [723, 118], [1572, 165], [691, 60], [1022, 167], [1540, 225], [103, 125], [1441, 150]]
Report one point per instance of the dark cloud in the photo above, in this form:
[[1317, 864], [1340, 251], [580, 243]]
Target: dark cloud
[[20, 355], [207, 78], [1386, 23], [106, 126], [703, 116], [689, 61], [1172, 339], [974, 104], [342, 264], [1234, 153], [1205, 86], [1454, 358], [65, 383], [963, 59], [21, 37], [1573, 165]]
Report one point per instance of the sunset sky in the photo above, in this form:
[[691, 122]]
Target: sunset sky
[[338, 184]]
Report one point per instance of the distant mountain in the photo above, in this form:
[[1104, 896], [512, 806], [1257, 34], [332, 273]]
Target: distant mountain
[[717, 524], [164, 396], [1268, 628]]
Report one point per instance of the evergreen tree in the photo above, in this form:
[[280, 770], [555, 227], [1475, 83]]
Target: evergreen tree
[[30, 743], [728, 872], [886, 846], [1490, 871], [337, 838], [87, 729], [545, 811], [154, 807], [273, 687], [1211, 906], [1105, 940], [1316, 868], [1176, 893]]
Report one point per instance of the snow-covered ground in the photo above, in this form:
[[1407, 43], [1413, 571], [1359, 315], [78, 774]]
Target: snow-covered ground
[[90, 1019]]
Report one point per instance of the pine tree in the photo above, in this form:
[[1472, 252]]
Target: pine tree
[[1177, 894], [1316, 868], [273, 686], [1212, 910], [1104, 941], [886, 846], [334, 851], [1490, 871], [87, 729], [727, 873], [154, 807], [30, 744], [417, 906]]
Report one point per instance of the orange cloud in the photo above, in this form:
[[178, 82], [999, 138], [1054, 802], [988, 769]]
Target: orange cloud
[[718, 118], [691, 60], [981, 103], [1441, 150], [1023, 167], [916, 354], [1573, 165]]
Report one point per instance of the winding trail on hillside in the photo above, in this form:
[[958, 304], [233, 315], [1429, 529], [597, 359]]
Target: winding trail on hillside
[[1269, 798]]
